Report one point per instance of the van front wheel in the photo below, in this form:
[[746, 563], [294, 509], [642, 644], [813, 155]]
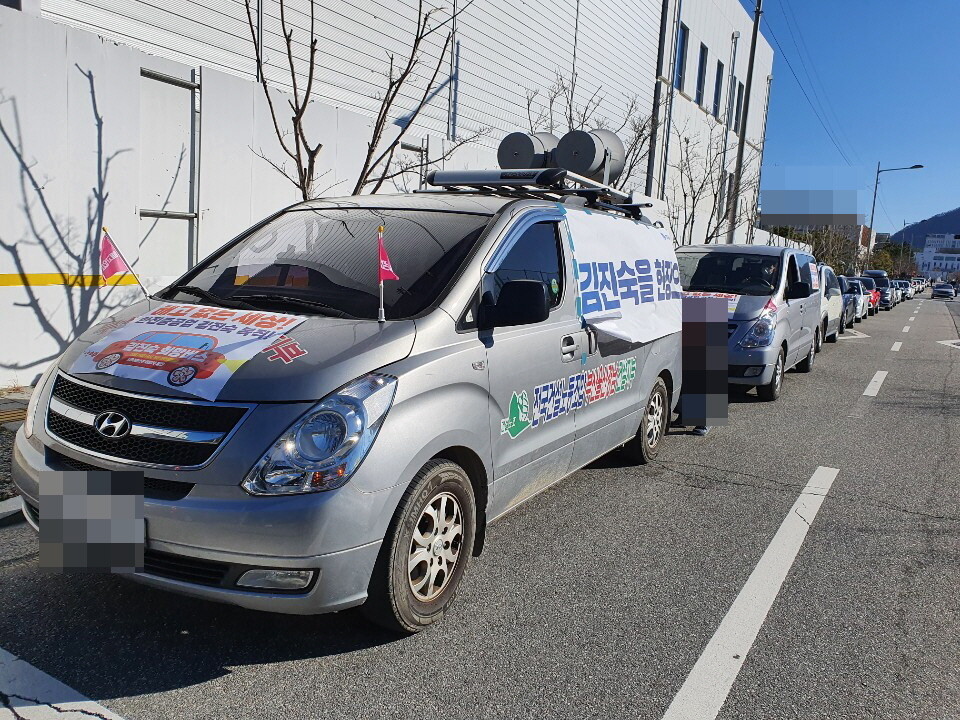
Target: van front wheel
[[425, 552], [645, 445]]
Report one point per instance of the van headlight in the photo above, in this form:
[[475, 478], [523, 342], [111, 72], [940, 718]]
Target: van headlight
[[323, 448], [761, 334]]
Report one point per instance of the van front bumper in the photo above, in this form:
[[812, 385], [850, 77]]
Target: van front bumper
[[193, 546], [753, 366]]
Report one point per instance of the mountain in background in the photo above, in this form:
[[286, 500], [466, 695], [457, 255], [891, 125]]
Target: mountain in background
[[916, 234]]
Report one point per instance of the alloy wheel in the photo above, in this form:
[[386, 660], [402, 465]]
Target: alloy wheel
[[435, 548], [655, 414]]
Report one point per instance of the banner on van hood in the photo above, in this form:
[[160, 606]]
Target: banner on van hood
[[627, 276], [732, 299], [191, 348]]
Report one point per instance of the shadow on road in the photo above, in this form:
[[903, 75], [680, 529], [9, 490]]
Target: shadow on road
[[108, 637]]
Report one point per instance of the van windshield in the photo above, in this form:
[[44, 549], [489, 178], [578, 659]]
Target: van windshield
[[882, 282], [730, 272], [326, 261]]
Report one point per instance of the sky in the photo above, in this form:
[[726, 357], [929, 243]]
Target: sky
[[883, 76]]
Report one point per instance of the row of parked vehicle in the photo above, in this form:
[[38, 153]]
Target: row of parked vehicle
[[358, 457], [786, 306]]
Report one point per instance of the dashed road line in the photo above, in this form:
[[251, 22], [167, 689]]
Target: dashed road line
[[706, 688], [26, 692], [896, 347], [906, 328], [873, 387], [913, 318]]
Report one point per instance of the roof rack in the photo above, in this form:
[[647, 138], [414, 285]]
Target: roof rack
[[541, 183]]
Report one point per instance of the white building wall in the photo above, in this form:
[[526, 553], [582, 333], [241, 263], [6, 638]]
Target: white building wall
[[501, 50], [711, 23]]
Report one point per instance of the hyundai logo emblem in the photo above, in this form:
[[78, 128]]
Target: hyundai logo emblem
[[112, 424]]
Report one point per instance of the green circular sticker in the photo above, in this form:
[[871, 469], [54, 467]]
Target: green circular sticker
[[555, 286]]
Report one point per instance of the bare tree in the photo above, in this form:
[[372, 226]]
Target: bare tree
[[378, 163], [293, 140], [633, 126]]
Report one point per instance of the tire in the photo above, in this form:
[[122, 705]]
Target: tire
[[108, 361], [806, 365], [180, 376], [836, 335], [853, 319], [645, 445], [407, 600], [818, 338], [771, 391]]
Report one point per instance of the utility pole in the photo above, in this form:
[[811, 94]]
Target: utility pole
[[742, 130]]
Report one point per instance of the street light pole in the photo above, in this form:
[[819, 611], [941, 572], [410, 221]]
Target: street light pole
[[742, 130], [873, 209]]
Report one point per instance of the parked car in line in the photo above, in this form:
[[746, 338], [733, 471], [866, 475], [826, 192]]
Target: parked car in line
[[365, 469], [888, 293], [774, 323], [865, 298], [831, 306], [853, 303], [871, 285], [943, 290], [907, 289]]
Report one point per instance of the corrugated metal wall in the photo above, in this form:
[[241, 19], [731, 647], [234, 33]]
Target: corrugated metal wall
[[503, 49]]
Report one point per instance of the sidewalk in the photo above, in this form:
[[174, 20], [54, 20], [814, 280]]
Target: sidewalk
[[13, 407], [13, 410]]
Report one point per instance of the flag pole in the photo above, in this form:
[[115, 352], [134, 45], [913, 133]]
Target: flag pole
[[382, 317], [129, 268]]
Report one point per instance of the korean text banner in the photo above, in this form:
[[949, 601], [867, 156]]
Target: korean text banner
[[627, 275], [193, 348]]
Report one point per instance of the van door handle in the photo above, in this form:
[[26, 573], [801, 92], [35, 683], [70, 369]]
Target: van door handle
[[569, 346]]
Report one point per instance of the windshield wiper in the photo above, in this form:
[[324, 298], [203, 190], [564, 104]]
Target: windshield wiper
[[209, 296], [302, 302]]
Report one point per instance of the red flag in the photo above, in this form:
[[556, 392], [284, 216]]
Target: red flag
[[111, 261], [386, 269]]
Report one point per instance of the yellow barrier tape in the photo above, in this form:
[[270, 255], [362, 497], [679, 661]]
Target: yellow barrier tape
[[40, 279]]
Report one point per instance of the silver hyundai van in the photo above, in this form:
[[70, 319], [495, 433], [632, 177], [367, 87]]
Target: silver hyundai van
[[773, 299], [352, 461]]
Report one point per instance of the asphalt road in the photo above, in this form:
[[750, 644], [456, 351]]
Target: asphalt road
[[597, 598]]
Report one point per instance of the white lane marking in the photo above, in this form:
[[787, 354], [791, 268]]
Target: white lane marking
[[31, 693], [707, 686], [896, 347], [913, 318], [906, 328], [874, 386]]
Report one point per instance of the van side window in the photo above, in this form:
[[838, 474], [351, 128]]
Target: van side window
[[536, 255], [805, 274]]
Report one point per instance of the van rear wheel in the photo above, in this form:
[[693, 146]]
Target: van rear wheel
[[425, 552], [645, 445]]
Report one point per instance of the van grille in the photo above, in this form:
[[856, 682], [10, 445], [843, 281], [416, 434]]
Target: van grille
[[149, 411], [202, 417]]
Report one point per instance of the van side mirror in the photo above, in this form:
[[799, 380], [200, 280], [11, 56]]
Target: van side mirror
[[798, 291], [521, 302]]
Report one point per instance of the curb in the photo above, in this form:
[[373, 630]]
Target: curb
[[10, 511]]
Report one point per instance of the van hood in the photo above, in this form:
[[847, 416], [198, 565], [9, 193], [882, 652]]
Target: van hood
[[337, 351]]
